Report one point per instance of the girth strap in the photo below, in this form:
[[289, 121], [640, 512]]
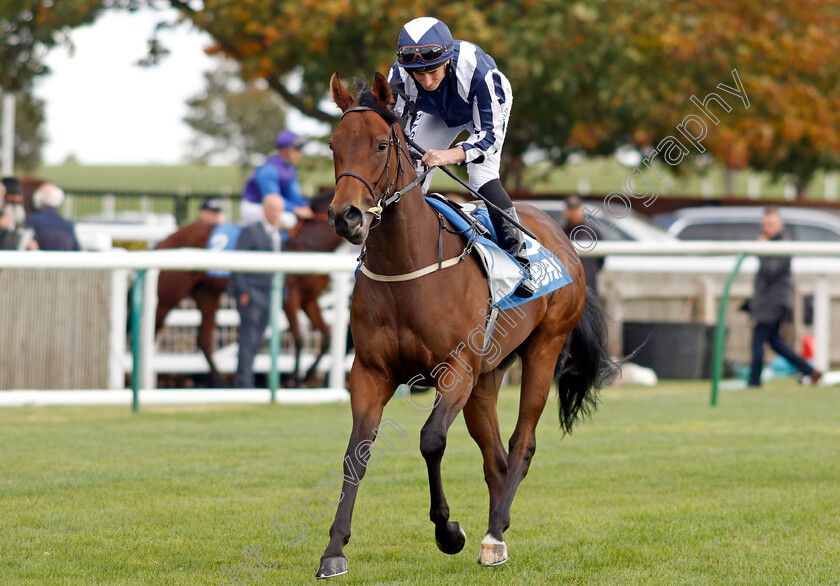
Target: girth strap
[[413, 274]]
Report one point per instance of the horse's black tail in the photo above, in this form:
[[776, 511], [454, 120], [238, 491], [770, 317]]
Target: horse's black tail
[[585, 365]]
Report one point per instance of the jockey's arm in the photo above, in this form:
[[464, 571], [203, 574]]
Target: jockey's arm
[[440, 157]]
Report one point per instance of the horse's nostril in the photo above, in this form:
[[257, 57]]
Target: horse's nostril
[[331, 216], [353, 216]]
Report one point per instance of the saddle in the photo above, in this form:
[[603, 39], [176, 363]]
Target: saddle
[[503, 272]]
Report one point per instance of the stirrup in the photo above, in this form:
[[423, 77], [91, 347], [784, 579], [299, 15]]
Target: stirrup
[[525, 288]]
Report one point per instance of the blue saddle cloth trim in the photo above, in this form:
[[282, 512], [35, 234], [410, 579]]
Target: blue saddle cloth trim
[[481, 214], [223, 237], [547, 271]]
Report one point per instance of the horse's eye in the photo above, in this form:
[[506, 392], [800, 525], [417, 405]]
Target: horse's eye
[[329, 144], [382, 146]]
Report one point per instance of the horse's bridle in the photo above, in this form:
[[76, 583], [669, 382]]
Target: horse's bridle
[[386, 198]]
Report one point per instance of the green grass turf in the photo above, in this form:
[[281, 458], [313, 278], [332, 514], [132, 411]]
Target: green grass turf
[[657, 488]]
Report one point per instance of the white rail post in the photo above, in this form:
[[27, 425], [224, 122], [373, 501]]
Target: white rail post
[[338, 333], [822, 317], [116, 337], [8, 149], [147, 374]]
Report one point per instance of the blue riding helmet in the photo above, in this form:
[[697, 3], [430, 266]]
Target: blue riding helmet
[[425, 43]]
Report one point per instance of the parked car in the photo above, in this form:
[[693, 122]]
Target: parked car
[[744, 223], [632, 227]]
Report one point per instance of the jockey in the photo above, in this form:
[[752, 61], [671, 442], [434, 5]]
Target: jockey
[[277, 176], [456, 86]]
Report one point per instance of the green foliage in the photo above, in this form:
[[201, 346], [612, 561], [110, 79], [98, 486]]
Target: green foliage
[[657, 488], [29, 134], [232, 117], [30, 28], [587, 76]]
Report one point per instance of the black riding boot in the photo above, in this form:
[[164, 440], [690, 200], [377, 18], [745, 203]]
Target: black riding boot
[[511, 238]]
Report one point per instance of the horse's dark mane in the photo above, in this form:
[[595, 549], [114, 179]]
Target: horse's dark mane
[[365, 97]]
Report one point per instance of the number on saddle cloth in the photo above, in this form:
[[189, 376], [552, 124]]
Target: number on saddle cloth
[[223, 237]]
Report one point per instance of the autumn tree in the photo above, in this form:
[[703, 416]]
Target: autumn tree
[[587, 76], [786, 56], [28, 30]]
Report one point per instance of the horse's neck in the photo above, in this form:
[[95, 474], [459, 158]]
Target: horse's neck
[[406, 237]]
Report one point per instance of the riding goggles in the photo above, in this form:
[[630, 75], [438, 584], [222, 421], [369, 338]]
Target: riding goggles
[[426, 53]]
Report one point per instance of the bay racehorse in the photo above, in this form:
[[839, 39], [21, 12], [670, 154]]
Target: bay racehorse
[[302, 291], [413, 322]]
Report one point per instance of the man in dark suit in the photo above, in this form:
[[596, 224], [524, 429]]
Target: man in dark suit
[[584, 235], [52, 232], [253, 290]]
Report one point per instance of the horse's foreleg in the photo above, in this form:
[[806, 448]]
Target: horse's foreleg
[[369, 393], [449, 535], [537, 373]]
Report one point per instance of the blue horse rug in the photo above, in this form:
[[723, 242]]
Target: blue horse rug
[[503, 271], [223, 237]]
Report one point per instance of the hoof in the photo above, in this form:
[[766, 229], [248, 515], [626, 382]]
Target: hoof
[[451, 542], [331, 567], [493, 552]]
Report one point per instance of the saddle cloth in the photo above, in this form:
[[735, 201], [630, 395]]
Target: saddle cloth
[[223, 237], [503, 272]]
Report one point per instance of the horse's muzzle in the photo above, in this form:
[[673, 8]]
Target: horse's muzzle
[[348, 223]]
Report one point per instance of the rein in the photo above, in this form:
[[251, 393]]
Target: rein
[[384, 200]]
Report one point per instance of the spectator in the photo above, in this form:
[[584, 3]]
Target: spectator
[[585, 236], [771, 304], [277, 176], [252, 291], [52, 232], [211, 211], [9, 238], [13, 207]]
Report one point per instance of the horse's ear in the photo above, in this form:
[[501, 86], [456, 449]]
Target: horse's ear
[[382, 89], [340, 95]]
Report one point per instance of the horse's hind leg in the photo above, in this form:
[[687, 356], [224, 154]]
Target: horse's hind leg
[[537, 373], [172, 287], [483, 425], [291, 305], [313, 312], [449, 536]]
